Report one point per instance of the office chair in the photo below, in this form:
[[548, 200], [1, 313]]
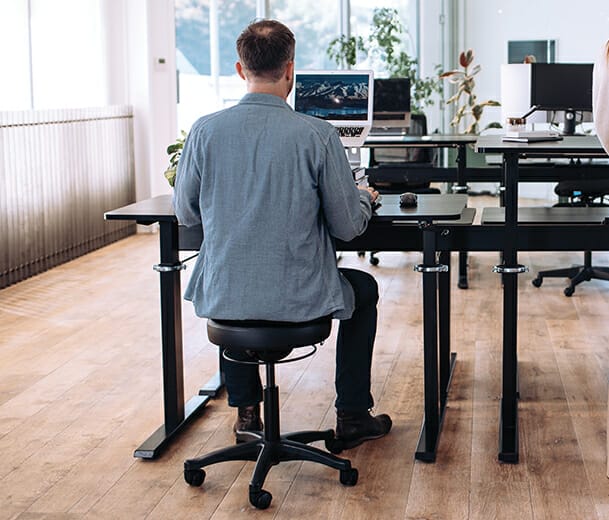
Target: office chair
[[397, 170], [586, 192], [269, 343]]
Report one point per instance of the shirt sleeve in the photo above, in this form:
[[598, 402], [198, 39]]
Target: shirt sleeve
[[347, 209], [600, 97], [187, 187]]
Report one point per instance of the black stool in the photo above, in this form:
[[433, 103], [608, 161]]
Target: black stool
[[269, 343], [583, 192]]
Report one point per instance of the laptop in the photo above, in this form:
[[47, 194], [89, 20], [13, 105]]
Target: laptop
[[344, 98], [391, 106]]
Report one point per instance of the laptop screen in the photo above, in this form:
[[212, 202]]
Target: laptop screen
[[340, 96], [391, 95]]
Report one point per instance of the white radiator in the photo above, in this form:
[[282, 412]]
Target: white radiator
[[60, 170]]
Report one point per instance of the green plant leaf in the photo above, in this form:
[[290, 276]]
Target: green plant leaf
[[170, 175]]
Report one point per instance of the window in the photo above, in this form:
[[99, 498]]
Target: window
[[52, 59], [206, 32], [313, 26], [14, 56], [361, 18]]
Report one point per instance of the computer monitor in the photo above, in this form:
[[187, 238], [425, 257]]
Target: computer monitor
[[562, 87], [344, 98], [391, 103]]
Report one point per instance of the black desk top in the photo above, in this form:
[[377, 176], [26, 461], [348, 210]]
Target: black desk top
[[430, 207], [147, 211], [572, 146], [432, 141], [549, 216]]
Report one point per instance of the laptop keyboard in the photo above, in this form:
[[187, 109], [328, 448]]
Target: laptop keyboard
[[350, 131]]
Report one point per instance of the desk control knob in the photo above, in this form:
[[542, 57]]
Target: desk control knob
[[438, 268], [517, 269], [169, 268]]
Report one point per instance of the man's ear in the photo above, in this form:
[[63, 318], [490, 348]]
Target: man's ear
[[239, 69], [289, 70]]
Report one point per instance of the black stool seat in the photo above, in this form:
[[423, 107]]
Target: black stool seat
[[268, 342], [255, 335]]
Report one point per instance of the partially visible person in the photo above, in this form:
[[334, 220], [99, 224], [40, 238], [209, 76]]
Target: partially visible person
[[600, 96], [272, 189]]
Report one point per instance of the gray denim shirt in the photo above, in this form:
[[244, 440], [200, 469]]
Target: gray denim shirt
[[271, 188]]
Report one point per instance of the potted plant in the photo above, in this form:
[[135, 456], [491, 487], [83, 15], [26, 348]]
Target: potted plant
[[468, 110], [174, 151], [384, 45]]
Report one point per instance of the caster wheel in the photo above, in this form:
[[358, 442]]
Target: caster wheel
[[361, 253], [334, 446], [194, 477], [374, 260], [569, 291], [348, 477], [537, 281], [260, 499]]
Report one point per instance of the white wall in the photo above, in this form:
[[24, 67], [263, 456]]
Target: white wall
[[579, 28], [140, 45]]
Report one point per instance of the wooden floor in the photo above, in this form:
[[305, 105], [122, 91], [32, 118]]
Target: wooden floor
[[80, 385]]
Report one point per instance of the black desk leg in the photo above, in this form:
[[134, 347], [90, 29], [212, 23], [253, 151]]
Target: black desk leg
[[176, 412], [430, 431], [213, 387], [447, 360], [508, 428], [461, 187]]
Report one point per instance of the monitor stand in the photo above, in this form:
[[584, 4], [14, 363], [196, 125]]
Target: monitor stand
[[569, 123]]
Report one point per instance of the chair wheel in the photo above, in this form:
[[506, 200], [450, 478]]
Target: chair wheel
[[260, 499], [374, 260], [361, 253], [537, 281], [194, 477], [569, 291], [348, 477], [334, 445]]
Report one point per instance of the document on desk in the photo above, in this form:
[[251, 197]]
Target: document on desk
[[531, 137]]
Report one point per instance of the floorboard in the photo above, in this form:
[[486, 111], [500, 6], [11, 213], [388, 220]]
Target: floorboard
[[80, 389]]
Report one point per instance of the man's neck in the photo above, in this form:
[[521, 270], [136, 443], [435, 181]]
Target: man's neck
[[274, 89]]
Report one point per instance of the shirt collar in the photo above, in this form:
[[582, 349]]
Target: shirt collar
[[263, 99]]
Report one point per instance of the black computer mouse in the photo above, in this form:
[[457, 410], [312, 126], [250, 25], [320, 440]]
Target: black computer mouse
[[408, 200]]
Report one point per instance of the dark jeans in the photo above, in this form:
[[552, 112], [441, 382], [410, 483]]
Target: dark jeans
[[354, 347]]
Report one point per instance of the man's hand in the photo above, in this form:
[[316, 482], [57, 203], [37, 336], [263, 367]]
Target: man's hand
[[373, 193]]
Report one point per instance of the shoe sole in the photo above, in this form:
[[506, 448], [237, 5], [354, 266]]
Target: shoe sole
[[242, 436], [347, 445]]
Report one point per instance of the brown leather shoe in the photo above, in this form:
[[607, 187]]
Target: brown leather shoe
[[354, 428], [248, 419]]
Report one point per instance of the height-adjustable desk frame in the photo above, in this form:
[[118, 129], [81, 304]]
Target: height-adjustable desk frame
[[460, 142], [570, 229], [568, 147], [176, 411], [421, 231]]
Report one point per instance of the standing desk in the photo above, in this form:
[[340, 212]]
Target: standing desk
[[572, 146], [177, 412], [460, 142], [409, 229]]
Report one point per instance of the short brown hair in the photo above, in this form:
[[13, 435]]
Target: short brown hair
[[265, 47]]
